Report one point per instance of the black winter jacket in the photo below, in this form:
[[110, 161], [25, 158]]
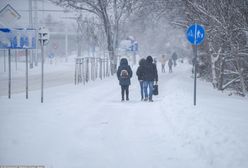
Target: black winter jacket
[[150, 71], [140, 69], [140, 73]]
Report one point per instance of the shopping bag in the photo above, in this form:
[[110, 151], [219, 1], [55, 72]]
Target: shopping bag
[[155, 89]]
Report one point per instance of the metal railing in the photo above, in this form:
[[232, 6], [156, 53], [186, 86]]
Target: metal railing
[[91, 68]]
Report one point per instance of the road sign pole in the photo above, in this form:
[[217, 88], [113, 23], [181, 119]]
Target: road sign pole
[[195, 35], [43, 38], [195, 66], [195, 71], [26, 52], [9, 91], [42, 69], [16, 60], [4, 57]]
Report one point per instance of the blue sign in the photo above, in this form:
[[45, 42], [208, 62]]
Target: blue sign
[[17, 38], [195, 34], [51, 55], [135, 46]]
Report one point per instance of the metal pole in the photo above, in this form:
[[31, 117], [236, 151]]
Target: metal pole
[[104, 72], [87, 69], [16, 59], [66, 44], [82, 70], [31, 26], [100, 68], [9, 74], [195, 70], [26, 51], [35, 25], [75, 76], [96, 71], [107, 67], [4, 57], [42, 69], [30, 5], [36, 49], [92, 68]]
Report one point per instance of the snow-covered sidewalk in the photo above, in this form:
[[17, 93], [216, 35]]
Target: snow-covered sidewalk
[[87, 126]]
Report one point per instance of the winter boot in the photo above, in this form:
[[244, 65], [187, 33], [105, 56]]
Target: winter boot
[[127, 97]]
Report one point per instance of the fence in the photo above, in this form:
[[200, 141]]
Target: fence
[[90, 68]]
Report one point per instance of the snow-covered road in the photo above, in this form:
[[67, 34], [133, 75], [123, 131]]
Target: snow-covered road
[[88, 126], [55, 75]]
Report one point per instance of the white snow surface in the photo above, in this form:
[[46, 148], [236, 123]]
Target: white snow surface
[[87, 126]]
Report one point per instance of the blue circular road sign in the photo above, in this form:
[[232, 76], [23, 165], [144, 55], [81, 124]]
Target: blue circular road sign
[[195, 34], [51, 55]]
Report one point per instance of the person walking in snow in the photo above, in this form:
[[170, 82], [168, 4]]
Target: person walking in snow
[[163, 61], [174, 58], [140, 74], [155, 61], [150, 75], [124, 74], [170, 63]]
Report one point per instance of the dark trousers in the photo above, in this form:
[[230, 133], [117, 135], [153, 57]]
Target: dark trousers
[[170, 68], [124, 88]]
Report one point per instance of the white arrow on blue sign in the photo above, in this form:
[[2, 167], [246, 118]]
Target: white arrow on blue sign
[[195, 34]]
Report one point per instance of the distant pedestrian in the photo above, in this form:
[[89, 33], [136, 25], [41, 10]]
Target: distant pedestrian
[[150, 75], [140, 74], [155, 61], [174, 58], [170, 63], [124, 73], [163, 61]]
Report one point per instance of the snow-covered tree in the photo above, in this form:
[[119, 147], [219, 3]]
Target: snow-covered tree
[[110, 13], [226, 23], [224, 53]]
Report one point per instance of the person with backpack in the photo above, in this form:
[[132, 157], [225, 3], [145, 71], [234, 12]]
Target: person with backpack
[[150, 75], [124, 74], [140, 74]]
